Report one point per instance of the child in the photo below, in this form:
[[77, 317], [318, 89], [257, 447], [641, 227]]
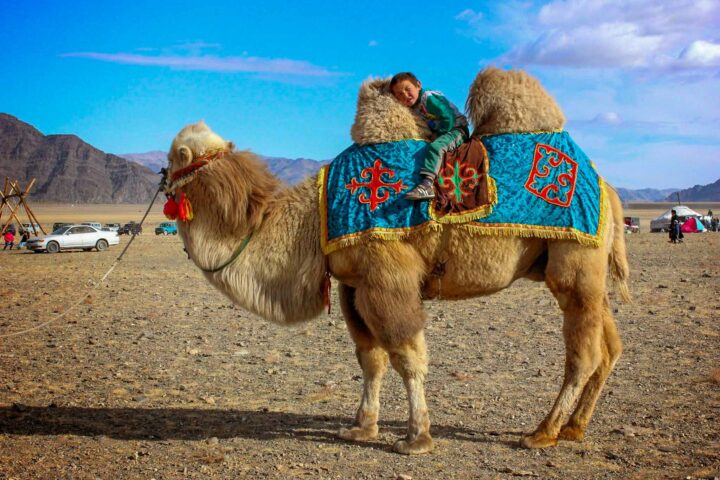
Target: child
[[9, 240], [448, 125]]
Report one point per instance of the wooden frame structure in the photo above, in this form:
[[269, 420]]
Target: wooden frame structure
[[12, 198]]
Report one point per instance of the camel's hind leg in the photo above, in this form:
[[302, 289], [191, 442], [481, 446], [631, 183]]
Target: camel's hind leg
[[576, 276], [410, 360], [611, 346], [373, 361]]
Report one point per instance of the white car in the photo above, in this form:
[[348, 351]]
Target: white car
[[84, 237]]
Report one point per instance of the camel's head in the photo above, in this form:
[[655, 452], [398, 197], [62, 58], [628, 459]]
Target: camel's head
[[511, 101], [380, 118], [194, 142]]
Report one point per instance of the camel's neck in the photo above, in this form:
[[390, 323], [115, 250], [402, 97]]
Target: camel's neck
[[279, 275]]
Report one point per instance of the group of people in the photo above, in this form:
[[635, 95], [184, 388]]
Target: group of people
[[711, 223], [9, 239]]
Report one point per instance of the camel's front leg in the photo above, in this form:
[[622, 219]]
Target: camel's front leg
[[373, 362], [410, 360]]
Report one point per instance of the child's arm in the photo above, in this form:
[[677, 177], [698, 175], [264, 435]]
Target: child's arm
[[442, 110]]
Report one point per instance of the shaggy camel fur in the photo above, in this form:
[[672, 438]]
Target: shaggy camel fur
[[382, 283]]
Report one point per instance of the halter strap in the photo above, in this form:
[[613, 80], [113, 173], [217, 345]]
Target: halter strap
[[237, 253]]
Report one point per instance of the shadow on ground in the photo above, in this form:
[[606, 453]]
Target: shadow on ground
[[200, 424]]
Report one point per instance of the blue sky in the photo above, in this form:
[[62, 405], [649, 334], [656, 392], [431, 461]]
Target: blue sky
[[638, 80]]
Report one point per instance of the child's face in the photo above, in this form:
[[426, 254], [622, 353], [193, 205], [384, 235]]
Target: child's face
[[406, 92]]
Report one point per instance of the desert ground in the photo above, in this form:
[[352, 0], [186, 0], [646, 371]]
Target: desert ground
[[157, 375]]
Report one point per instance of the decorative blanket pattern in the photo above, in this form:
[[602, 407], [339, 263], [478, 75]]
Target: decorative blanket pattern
[[543, 186]]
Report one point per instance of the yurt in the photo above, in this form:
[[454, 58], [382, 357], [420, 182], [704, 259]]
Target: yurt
[[662, 223]]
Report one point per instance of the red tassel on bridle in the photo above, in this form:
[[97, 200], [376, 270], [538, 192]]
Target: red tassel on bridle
[[171, 208], [182, 209], [185, 212]]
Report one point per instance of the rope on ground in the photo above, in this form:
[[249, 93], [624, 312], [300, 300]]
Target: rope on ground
[[102, 280]]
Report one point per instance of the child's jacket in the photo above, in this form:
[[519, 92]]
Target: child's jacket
[[439, 112]]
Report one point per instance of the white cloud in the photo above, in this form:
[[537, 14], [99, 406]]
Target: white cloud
[[647, 35], [608, 118], [214, 63], [470, 16], [702, 53], [607, 45]]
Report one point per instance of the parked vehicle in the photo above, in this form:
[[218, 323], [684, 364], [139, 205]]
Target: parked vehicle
[[57, 225], [111, 227], [83, 237], [632, 224], [97, 225], [130, 228], [31, 228], [166, 228]]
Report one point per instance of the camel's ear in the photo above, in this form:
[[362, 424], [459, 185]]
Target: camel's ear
[[185, 154], [230, 146]]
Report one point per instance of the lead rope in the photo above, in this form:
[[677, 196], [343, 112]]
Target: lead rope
[[102, 280]]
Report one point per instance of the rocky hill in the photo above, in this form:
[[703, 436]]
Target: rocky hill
[[69, 170], [698, 193]]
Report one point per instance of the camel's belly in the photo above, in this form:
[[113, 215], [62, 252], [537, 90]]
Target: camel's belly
[[475, 265]]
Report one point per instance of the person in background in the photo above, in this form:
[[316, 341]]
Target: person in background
[[9, 238], [24, 239], [675, 232]]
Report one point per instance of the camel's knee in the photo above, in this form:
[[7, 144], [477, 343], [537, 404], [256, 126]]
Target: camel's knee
[[410, 359], [373, 361]]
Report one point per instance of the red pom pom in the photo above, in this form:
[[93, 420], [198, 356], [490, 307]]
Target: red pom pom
[[171, 209]]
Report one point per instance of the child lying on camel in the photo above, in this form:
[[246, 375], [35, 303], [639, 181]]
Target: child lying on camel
[[449, 127]]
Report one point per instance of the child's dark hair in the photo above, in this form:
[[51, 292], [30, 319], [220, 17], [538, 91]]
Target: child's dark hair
[[404, 76]]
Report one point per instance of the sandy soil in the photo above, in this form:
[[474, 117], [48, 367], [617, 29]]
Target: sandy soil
[[156, 375]]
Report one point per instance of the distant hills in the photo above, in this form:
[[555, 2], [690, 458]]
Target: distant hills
[[287, 169], [698, 193], [69, 170], [645, 194]]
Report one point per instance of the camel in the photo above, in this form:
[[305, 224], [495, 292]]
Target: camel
[[258, 242]]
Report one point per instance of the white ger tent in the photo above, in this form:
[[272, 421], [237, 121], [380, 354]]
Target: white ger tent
[[663, 221]]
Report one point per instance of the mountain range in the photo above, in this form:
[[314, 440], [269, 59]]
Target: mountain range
[[69, 170], [698, 193], [289, 170]]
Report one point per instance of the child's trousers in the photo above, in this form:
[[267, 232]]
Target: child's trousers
[[436, 150]]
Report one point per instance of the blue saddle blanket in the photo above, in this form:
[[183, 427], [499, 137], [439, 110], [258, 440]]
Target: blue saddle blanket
[[543, 186]]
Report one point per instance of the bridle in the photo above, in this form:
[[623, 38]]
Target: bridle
[[187, 174]]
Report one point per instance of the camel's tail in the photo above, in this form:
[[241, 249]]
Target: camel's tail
[[619, 267]]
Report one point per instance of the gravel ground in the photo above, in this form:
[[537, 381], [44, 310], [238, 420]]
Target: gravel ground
[[156, 375]]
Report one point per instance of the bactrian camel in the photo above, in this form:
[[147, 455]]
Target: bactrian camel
[[280, 272]]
